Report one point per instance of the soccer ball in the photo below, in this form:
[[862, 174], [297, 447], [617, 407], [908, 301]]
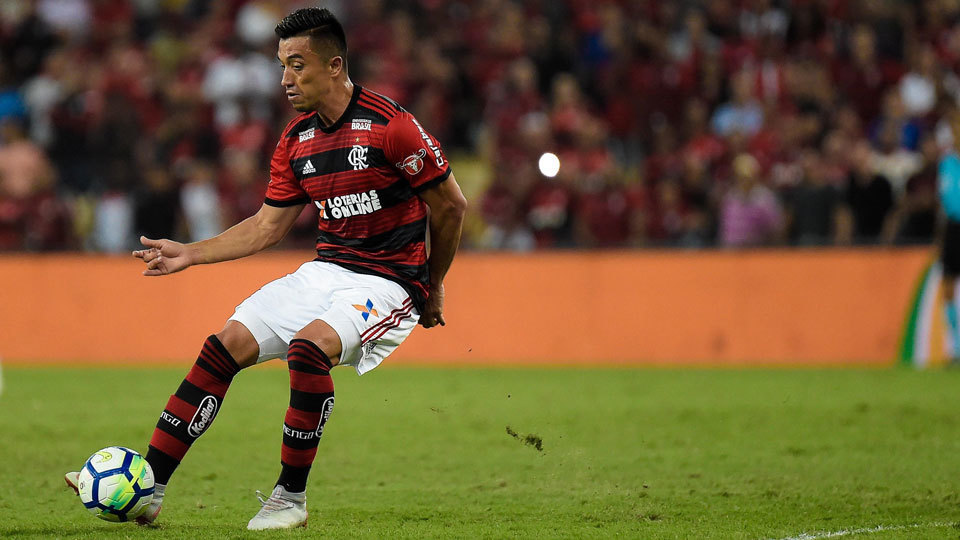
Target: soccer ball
[[116, 484]]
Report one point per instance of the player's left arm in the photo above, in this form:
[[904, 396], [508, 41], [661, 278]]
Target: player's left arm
[[447, 209], [419, 159]]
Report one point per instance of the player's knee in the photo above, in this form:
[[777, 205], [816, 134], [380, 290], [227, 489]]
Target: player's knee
[[325, 337], [240, 343]]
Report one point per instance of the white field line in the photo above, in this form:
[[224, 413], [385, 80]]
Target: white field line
[[867, 530]]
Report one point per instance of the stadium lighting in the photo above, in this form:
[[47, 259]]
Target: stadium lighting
[[549, 164]]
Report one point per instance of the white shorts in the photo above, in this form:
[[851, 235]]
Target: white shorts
[[372, 315]]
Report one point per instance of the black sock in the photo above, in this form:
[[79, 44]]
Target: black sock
[[162, 465], [293, 479]]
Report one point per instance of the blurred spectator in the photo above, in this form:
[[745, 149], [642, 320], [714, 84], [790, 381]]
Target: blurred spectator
[[892, 161], [918, 88], [694, 39], [743, 114], [749, 213], [201, 203], [652, 108], [863, 76], [604, 213], [31, 216], [550, 210], [869, 196], [113, 218], [813, 206], [914, 220], [157, 210]]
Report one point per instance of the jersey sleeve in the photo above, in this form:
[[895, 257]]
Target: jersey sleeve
[[414, 153], [283, 189]]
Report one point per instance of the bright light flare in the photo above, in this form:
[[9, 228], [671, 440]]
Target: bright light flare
[[549, 164]]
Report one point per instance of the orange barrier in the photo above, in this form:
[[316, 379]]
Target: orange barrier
[[776, 307]]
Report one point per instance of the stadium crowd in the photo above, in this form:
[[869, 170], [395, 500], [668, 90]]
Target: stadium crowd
[[687, 123]]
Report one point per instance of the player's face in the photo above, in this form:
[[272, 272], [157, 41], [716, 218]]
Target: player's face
[[307, 78]]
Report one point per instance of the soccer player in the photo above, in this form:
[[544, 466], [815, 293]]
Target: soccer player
[[948, 179], [389, 224]]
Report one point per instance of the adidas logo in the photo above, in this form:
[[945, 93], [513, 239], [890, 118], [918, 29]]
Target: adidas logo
[[309, 168]]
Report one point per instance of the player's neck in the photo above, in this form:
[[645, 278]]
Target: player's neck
[[332, 109]]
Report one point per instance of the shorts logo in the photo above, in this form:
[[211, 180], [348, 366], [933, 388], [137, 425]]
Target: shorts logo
[[307, 135], [413, 164], [368, 347], [327, 409], [358, 157], [366, 309], [359, 124], [203, 417]]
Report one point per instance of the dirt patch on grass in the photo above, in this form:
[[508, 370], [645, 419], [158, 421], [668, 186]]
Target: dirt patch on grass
[[529, 439]]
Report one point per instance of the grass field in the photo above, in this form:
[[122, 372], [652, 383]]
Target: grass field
[[417, 453]]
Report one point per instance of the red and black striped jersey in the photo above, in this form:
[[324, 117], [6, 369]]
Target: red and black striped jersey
[[364, 173]]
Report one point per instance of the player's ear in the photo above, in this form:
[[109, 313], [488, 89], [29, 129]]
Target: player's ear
[[335, 66]]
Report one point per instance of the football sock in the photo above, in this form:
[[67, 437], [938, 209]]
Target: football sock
[[950, 309], [158, 491], [311, 402], [191, 410]]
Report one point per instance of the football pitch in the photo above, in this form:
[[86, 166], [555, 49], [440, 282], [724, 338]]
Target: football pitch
[[515, 453]]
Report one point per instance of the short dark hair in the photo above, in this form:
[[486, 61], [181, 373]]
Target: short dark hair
[[317, 23]]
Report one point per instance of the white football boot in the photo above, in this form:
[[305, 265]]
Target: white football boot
[[72, 479], [152, 510], [282, 510]]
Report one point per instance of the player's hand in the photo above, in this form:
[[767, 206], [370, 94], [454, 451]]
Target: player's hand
[[433, 311], [163, 256]]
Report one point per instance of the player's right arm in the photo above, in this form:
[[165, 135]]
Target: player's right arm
[[256, 233]]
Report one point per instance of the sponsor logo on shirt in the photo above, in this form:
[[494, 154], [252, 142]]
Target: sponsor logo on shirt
[[430, 144], [354, 204], [359, 124], [308, 168], [413, 163], [307, 135]]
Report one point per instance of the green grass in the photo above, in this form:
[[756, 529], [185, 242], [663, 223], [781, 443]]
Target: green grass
[[419, 453]]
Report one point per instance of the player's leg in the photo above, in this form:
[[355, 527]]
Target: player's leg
[[950, 261], [198, 399], [368, 318], [193, 407], [948, 289], [191, 410], [312, 353]]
